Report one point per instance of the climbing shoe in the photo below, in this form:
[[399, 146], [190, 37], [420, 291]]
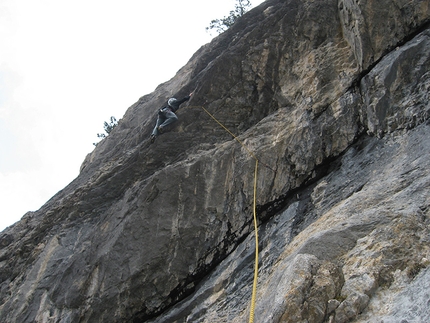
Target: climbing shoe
[[160, 130], [152, 139]]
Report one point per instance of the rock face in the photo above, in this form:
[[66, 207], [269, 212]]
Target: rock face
[[332, 97]]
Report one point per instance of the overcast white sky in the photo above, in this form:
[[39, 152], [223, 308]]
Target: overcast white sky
[[68, 66]]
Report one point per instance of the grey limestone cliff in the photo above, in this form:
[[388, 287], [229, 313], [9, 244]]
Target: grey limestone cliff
[[333, 99]]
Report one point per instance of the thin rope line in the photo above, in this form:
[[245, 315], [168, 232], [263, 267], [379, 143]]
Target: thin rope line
[[250, 152], [254, 285]]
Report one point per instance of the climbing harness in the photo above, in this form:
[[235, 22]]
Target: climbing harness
[[254, 286]]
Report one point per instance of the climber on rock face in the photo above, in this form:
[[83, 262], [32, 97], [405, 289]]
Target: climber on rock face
[[166, 115]]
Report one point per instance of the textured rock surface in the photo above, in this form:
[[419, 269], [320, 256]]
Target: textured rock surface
[[333, 98]]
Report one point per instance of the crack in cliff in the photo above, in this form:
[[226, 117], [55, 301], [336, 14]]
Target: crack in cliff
[[409, 37], [187, 286]]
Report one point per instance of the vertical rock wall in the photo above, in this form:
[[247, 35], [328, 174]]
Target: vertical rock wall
[[332, 97]]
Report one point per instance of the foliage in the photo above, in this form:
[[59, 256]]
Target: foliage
[[221, 25], [108, 128]]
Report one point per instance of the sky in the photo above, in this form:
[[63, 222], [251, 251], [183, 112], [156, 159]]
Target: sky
[[68, 66]]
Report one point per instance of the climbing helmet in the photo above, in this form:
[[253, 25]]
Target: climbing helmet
[[171, 101]]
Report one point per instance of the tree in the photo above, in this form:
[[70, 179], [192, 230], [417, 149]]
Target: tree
[[108, 128], [221, 25]]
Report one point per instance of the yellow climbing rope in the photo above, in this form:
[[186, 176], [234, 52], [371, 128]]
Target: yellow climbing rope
[[254, 286], [237, 139]]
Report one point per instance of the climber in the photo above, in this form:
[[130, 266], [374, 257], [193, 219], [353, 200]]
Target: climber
[[167, 115]]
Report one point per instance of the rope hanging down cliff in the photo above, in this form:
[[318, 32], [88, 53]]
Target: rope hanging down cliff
[[254, 286]]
